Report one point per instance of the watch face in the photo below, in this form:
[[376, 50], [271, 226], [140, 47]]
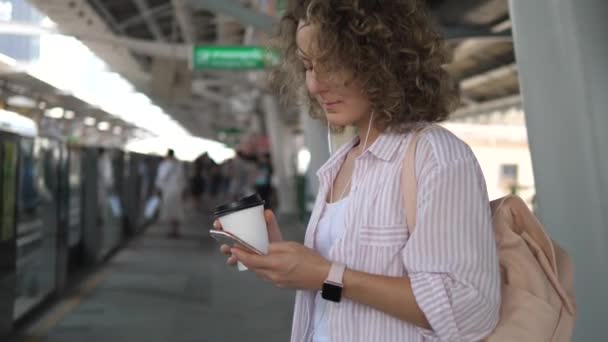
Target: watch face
[[331, 292]]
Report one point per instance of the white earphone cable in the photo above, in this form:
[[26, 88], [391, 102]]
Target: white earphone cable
[[331, 191]]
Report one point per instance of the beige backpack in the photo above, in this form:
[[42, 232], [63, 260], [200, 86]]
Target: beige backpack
[[536, 273]]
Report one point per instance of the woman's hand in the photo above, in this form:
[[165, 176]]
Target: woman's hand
[[274, 234], [287, 265]]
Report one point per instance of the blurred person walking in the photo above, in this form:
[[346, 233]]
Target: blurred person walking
[[263, 179], [197, 183], [170, 184]]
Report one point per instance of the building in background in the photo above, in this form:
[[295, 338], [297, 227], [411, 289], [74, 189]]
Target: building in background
[[22, 48], [504, 157]]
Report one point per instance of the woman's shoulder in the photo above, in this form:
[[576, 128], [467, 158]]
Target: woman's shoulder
[[443, 147]]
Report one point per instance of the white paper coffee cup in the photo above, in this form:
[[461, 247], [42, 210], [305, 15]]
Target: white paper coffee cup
[[245, 219]]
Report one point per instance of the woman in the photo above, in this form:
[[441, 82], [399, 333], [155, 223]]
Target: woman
[[376, 65]]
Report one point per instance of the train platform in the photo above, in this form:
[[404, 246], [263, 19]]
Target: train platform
[[179, 290]]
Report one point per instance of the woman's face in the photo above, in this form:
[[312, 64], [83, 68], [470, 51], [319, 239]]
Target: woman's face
[[341, 97]]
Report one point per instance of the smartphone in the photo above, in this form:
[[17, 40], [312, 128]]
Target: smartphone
[[225, 238]]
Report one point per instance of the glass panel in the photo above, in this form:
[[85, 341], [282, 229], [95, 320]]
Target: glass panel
[[110, 207], [8, 186], [9, 173], [75, 184], [36, 223]]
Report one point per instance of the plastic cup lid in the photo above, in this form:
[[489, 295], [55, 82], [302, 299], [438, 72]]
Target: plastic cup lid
[[238, 205]]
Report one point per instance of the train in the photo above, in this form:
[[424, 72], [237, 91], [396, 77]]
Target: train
[[58, 219]]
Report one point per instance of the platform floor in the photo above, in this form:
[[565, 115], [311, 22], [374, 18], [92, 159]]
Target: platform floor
[[160, 289]]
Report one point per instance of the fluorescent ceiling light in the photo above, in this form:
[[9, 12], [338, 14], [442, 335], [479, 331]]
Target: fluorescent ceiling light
[[156, 110], [21, 101], [142, 99], [92, 81], [48, 23], [103, 126], [69, 115], [55, 113], [303, 161], [89, 121]]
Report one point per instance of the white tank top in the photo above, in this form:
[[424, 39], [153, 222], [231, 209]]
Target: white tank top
[[331, 227]]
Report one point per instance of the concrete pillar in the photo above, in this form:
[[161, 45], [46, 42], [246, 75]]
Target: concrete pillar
[[283, 152], [340, 138], [562, 54], [315, 138], [171, 79]]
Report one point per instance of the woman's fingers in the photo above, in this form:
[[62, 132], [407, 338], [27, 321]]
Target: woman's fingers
[[231, 260], [225, 249], [254, 261], [271, 220], [274, 232]]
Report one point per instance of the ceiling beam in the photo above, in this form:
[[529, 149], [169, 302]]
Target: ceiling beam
[[468, 101], [236, 10], [178, 51], [503, 26], [107, 16], [211, 96], [150, 13], [146, 47], [184, 19], [142, 7], [228, 81], [494, 74], [487, 107], [462, 32]]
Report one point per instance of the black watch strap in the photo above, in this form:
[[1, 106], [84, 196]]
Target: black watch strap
[[333, 285]]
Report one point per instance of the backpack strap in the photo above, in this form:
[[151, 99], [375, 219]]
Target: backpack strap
[[409, 186]]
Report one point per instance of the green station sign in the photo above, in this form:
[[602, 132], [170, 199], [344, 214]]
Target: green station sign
[[214, 57]]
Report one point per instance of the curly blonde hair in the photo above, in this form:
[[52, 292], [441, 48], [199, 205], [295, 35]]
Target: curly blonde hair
[[389, 46]]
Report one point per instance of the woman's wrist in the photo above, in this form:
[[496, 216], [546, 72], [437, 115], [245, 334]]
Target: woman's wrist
[[322, 274]]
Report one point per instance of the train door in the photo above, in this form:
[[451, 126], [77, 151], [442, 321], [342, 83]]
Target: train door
[[75, 212], [36, 223], [110, 204], [92, 237], [63, 227], [9, 153]]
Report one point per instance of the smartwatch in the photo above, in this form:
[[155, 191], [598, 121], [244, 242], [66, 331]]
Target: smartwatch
[[333, 285]]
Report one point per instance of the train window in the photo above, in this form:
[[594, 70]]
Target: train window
[[28, 192], [74, 170]]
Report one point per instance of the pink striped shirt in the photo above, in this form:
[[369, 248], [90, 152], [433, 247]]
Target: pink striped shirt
[[451, 259]]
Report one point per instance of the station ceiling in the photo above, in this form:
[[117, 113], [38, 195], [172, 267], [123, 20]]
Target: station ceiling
[[149, 42]]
